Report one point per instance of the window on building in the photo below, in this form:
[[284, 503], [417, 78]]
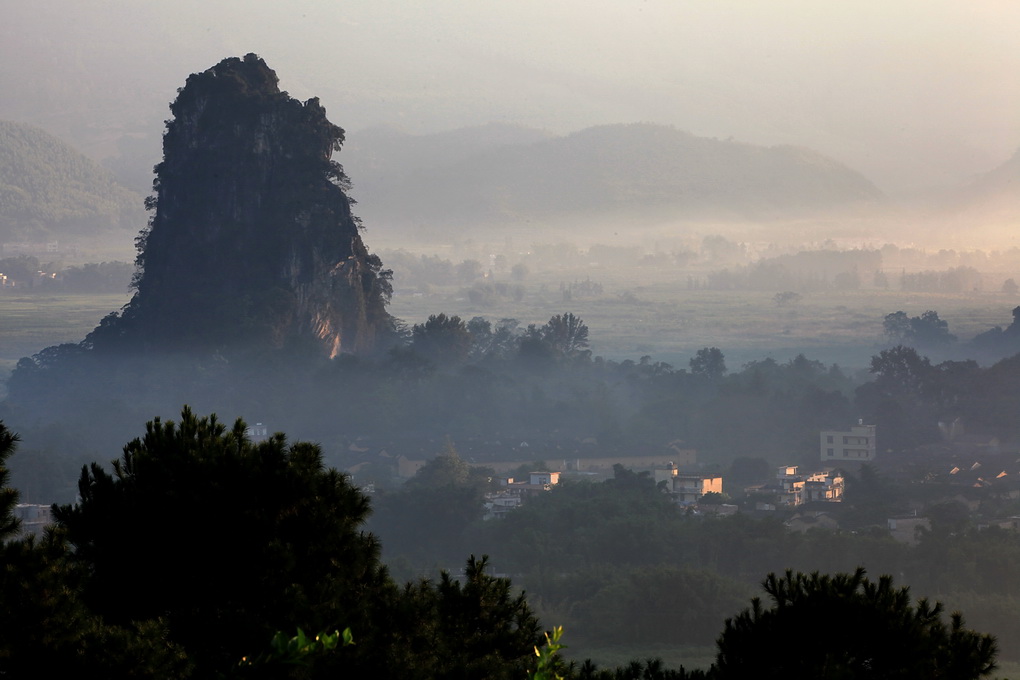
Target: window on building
[[828, 440]]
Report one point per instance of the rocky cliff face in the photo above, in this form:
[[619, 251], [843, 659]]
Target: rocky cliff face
[[252, 241]]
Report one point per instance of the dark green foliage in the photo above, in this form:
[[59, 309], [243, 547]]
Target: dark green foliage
[[588, 549], [998, 342], [910, 396], [102, 277], [45, 628], [621, 521], [901, 370], [424, 522], [926, 331], [227, 539], [202, 544], [744, 472], [648, 669], [567, 335], [442, 339], [470, 628], [846, 626], [564, 336], [870, 499], [285, 653], [709, 362], [490, 342], [9, 523], [448, 470], [663, 604]]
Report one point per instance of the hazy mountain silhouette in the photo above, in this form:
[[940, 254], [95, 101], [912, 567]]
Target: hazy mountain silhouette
[[997, 189], [48, 190], [385, 152], [624, 171], [986, 209]]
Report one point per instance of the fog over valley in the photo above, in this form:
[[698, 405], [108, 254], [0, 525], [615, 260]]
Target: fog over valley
[[418, 341]]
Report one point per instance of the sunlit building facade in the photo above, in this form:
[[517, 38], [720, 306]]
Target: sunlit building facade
[[856, 445]]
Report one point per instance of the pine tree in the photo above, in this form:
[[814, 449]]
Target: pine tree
[[846, 626], [9, 523]]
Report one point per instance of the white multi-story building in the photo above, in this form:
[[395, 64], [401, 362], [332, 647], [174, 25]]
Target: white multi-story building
[[686, 489], [797, 489], [855, 445]]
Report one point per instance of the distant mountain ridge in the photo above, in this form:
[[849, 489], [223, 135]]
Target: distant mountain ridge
[[610, 171], [999, 187], [387, 150], [48, 190], [984, 210]]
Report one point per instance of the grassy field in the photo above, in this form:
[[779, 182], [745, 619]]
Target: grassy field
[[670, 323], [28, 323], [659, 318]]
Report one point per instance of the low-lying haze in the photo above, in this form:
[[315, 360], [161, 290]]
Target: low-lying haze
[[912, 94]]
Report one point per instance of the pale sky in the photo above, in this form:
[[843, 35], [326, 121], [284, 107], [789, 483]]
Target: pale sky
[[910, 92]]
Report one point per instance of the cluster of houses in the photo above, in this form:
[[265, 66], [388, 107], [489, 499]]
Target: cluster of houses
[[687, 489], [38, 277], [512, 492], [791, 488]]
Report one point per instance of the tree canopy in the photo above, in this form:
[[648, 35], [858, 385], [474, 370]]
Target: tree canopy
[[847, 626], [709, 362], [212, 542], [227, 538], [927, 330]]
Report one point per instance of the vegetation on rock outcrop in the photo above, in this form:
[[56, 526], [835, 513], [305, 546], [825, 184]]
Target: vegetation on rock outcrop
[[252, 241]]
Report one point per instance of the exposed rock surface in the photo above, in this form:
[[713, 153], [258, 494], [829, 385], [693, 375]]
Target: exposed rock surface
[[252, 242]]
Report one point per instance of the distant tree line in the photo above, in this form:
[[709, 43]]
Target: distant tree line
[[930, 333], [480, 381], [953, 280], [25, 272], [806, 270]]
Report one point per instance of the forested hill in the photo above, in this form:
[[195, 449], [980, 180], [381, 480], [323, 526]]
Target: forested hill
[[610, 171], [48, 190]]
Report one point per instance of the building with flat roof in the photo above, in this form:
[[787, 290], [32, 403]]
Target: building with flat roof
[[686, 489], [856, 445]]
